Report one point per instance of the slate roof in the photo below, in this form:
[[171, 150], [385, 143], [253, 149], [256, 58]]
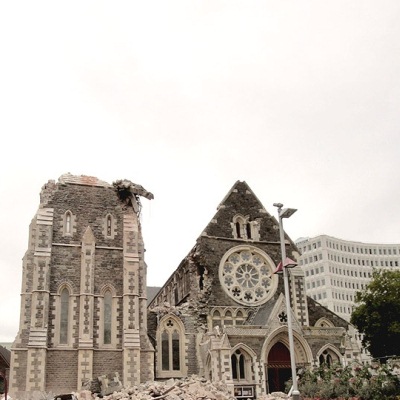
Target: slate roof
[[151, 293], [5, 355], [263, 313]]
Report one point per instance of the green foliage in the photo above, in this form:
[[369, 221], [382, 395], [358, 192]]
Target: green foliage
[[377, 314], [370, 382]]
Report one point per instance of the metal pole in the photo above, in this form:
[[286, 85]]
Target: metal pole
[[295, 391]]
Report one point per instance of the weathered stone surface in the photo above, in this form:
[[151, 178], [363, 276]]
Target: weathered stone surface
[[192, 388], [85, 240]]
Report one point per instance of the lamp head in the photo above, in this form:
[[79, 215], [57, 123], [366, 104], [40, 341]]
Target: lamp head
[[287, 212], [289, 263]]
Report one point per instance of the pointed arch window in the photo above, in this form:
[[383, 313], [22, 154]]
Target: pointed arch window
[[248, 230], [176, 365], [109, 226], [328, 357], [108, 323], [107, 317], [228, 319], [324, 323], [325, 358], [238, 229], [243, 228], [68, 223], [165, 350], [171, 348], [222, 316], [216, 319], [64, 316], [238, 370], [241, 366]]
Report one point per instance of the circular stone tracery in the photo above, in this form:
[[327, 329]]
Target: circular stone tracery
[[246, 274]]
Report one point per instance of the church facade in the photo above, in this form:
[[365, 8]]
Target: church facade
[[221, 314]]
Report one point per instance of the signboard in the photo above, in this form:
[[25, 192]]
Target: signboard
[[244, 392]]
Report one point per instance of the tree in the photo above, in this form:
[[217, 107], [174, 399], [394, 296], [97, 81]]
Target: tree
[[377, 314]]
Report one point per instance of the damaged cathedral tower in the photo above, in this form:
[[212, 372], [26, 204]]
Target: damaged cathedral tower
[[83, 301]]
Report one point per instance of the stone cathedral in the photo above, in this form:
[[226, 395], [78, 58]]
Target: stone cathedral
[[83, 304], [221, 314]]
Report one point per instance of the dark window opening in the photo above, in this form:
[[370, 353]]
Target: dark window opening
[[175, 352], [107, 317], [165, 351], [238, 365], [109, 225], [200, 273], [248, 230], [238, 230], [64, 316], [325, 358]]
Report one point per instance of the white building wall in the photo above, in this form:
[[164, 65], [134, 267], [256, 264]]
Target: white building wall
[[336, 269]]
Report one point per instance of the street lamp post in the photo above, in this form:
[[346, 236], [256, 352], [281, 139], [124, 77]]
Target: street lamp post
[[287, 263]]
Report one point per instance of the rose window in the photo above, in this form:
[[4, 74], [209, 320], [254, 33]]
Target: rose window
[[246, 274]]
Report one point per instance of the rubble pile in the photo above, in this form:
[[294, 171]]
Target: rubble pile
[[192, 388]]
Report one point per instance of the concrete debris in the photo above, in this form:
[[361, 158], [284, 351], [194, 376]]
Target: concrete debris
[[274, 396], [191, 388], [166, 308], [126, 188], [92, 385], [110, 384]]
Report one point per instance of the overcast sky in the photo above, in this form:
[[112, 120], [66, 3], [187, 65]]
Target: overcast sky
[[300, 99]]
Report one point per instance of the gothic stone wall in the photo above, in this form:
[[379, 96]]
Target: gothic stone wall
[[19, 363], [89, 207], [61, 371], [107, 362]]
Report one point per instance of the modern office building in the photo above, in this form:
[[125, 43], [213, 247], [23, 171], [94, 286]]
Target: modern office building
[[336, 269]]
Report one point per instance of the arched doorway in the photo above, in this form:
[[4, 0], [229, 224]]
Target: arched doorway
[[278, 368]]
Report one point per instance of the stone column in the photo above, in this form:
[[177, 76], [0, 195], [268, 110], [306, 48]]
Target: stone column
[[86, 308], [37, 342], [221, 360], [298, 295], [131, 321], [258, 377]]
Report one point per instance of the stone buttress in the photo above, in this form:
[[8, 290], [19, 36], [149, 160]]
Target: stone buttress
[[86, 307]]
